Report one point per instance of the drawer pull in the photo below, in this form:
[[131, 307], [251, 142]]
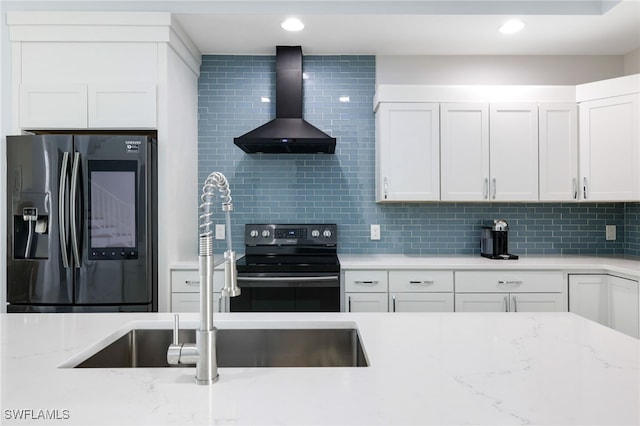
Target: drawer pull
[[426, 282], [366, 282], [510, 282], [191, 282]]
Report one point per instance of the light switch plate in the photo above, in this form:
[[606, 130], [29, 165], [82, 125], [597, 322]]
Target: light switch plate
[[220, 231], [610, 231], [375, 232]]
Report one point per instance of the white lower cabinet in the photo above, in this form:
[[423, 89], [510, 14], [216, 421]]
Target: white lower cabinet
[[366, 302], [421, 302], [510, 302], [420, 291], [190, 302], [185, 291], [366, 291], [510, 291], [607, 299]]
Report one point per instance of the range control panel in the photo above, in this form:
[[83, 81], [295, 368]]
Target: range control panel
[[290, 234]]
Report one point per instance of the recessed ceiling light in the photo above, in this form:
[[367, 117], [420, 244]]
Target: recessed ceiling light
[[292, 24], [511, 26]]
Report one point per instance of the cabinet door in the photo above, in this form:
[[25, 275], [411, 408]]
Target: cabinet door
[[53, 106], [464, 144], [588, 297], [482, 302], [558, 139], [421, 302], [537, 302], [408, 152], [122, 105], [610, 149], [366, 302], [623, 305], [513, 148]]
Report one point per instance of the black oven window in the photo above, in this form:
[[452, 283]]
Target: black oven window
[[112, 211]]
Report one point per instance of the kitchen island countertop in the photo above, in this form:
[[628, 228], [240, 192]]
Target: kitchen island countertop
[[449, 368]]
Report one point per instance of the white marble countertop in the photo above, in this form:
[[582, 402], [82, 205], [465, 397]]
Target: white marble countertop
[[450, 368], [621, 265]]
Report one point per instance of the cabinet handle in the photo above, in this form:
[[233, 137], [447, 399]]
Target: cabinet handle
[[584, 187], [366, 282], [191, 282], [394, 303], [220, 304], [349, 304], [495, 187], [574, 186], [515, 304], [506, 304], [426, 282], [386, 188], [509, 282], [485, 189]]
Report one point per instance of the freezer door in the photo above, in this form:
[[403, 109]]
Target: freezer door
[[37, 177], [112, 220]]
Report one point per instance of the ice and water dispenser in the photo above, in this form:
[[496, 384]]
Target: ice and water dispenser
[[31, 226]]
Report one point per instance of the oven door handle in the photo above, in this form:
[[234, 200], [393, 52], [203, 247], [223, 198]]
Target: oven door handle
[[289, 279]]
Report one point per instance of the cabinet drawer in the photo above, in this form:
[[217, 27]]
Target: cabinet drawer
[[190, 302], [417, 281], [188, 280], [510, 281], [366, 281]]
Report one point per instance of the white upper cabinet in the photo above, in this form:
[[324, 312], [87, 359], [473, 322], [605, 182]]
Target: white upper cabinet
[[513, 147], [407, 152], [610, 149], [80, 85], [489, 151], [53, 106], [464, 144], [558, 147]]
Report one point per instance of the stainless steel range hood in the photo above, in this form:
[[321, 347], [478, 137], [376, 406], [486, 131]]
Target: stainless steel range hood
[[288, 133]]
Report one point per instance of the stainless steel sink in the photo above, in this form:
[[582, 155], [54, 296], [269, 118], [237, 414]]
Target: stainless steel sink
[[335, 347]]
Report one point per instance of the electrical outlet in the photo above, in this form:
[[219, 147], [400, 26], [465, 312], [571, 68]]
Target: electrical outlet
[[610, 232], [220, 231], [375, 232]]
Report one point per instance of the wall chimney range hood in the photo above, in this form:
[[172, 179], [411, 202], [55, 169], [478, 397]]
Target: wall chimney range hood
[[288, 133]]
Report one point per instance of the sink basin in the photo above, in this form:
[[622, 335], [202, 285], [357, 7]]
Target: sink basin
[[239, 348]]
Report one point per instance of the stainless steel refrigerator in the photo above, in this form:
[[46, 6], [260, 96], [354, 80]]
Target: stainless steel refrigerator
[[81, 223]]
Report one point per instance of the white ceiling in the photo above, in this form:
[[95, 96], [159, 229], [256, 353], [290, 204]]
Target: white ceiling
[[444, 27]]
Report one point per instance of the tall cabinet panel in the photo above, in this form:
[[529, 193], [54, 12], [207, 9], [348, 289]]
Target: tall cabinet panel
[[558, 140], [464, 136], [610, 149], [407, 152], [513, 143]]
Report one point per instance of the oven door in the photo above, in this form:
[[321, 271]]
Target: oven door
[[287, 292]]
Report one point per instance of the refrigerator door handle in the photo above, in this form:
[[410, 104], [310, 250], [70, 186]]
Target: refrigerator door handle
[[62, 211], [73, 210]]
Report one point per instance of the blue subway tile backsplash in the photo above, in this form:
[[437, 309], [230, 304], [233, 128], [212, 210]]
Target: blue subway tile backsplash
[[339, 188]]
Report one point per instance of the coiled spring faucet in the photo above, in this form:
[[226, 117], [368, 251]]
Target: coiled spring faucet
[[203, 352]]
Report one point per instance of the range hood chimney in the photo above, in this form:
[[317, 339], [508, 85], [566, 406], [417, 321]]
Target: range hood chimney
[[288, 133]]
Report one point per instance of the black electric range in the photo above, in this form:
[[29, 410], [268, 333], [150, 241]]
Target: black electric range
[[289, 268]]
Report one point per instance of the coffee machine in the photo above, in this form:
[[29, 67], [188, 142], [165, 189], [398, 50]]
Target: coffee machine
[[494, 243]]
